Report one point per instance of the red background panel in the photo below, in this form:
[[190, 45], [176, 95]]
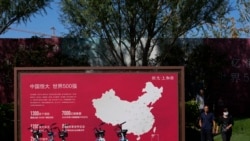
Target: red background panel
[[88, 86]]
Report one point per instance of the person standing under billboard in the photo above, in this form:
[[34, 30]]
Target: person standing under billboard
[[225, 123], [207, 124]]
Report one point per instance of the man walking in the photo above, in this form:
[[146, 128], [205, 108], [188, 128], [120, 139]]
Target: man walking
[[207, 124]]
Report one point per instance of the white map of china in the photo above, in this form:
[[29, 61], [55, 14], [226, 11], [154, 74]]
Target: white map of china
[[111, 109]]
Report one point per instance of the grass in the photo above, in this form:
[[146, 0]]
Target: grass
[[241, 130]]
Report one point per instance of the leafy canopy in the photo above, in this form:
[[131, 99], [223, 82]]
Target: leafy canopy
[[123, 24], [12, 11], [234, 24]]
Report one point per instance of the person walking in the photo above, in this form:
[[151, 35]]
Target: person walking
[[225, 124], [207, 124]]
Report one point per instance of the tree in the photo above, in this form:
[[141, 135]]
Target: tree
[[232, 25], [133, 27], [12, 11]]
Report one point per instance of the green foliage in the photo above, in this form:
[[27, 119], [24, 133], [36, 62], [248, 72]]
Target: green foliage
[[7, 121], [235, 24], [19, 10], [191, 117], [123, 24], [6, 114], [191, 113]]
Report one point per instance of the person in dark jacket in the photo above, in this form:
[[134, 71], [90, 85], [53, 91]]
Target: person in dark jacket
[[225, 124], [207, 124]]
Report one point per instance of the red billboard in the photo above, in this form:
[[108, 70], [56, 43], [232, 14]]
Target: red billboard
[[145, 104]]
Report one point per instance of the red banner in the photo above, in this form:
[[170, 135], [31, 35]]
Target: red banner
[[146, 104]]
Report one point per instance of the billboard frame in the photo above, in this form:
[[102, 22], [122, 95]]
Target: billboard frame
[[176, 69]]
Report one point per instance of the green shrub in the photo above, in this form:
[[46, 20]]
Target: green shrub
[[7, 122], [191, 113]]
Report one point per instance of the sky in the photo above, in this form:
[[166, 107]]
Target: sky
[[40, 24]]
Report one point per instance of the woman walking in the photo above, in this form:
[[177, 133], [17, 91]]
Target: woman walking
[[225, 123]]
